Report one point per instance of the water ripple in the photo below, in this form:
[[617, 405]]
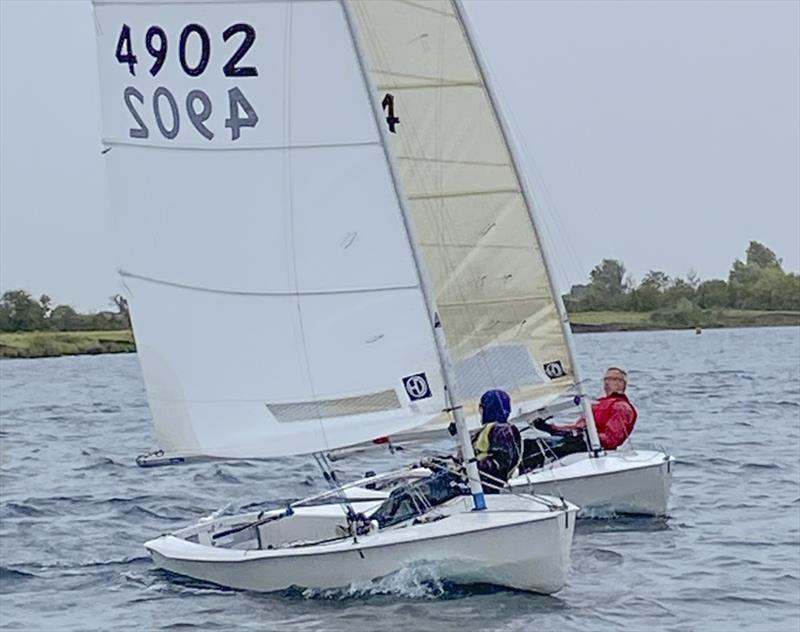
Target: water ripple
[[75, 508]]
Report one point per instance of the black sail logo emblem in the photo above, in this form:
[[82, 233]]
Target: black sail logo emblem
[[554, 370], [417, 386]]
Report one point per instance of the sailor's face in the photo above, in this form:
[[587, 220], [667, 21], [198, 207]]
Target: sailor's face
[[613, 382]]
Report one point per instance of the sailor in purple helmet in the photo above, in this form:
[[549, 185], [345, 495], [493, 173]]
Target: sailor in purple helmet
[[498, 443], [498, 453]]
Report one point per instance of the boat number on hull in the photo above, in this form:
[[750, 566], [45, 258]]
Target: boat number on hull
[[196, 106], [417, 386], [554, 370]]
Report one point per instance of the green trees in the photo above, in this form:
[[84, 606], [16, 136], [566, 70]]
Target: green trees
[[760, 282], [19, 311], [65, 318], [713, 293], [607, 288], [649, 295], [757, 283]]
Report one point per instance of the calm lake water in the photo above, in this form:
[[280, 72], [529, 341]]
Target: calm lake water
[[75, 508]]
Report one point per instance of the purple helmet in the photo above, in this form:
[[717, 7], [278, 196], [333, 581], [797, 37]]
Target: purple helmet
[[496, 406]]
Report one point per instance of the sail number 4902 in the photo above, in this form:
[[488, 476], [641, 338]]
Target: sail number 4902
[[198, 105]]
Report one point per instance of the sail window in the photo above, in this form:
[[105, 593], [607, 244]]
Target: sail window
[[344, 407]]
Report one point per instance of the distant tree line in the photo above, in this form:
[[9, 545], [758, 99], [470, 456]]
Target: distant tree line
[[758, 283], [19, 311]]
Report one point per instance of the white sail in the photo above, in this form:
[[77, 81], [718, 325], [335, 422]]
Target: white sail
[[274, 296], [470, 216]]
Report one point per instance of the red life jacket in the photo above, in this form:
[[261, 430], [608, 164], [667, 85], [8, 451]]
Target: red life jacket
[[614, 421]]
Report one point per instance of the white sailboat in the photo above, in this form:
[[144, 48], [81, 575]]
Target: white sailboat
[[482, 240], [295, 280]]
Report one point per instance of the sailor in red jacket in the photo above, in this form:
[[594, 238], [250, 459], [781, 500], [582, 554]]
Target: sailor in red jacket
[[614, 417]]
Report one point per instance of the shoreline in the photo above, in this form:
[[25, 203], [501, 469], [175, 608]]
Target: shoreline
[[593, 322], [53, 344]]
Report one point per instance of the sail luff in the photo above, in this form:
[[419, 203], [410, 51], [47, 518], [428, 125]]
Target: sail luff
[[528, 197], [441, 345]]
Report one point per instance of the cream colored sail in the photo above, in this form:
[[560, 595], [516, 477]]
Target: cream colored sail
[[470, 217]]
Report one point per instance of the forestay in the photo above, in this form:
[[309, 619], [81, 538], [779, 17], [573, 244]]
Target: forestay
[[484, 259], [274, 296]]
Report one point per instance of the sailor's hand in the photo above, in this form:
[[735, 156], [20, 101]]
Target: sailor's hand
[[542, 425], [436, 462]]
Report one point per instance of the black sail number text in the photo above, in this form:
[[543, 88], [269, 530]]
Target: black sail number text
[[193, 35], [191, 48]]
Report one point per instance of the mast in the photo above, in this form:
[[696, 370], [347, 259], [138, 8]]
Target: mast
[[467, 451], [594, 439]]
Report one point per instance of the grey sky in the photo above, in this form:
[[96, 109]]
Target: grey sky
[[665, 134]]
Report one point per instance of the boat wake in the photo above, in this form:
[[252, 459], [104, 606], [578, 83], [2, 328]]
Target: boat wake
[[10, 576], [413, 582]]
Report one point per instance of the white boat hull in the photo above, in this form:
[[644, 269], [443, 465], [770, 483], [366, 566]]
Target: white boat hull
[[513, 544], [624, 482]]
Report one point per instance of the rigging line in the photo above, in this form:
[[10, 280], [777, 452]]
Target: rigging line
[[289, 175], [493, 121], [336, 489], [544, 203], [566, 336], [546, 208], [514, 131], [500, 485], [353, 518]]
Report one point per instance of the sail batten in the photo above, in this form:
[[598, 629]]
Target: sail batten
[[385, 85], [210, 290], [458, 194], [493, 301], [109, 142]]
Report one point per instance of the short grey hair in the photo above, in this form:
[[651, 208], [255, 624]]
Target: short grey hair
[[623, 371]]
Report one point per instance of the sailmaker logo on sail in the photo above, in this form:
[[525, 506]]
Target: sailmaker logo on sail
[[554, 370], [417, 386]]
